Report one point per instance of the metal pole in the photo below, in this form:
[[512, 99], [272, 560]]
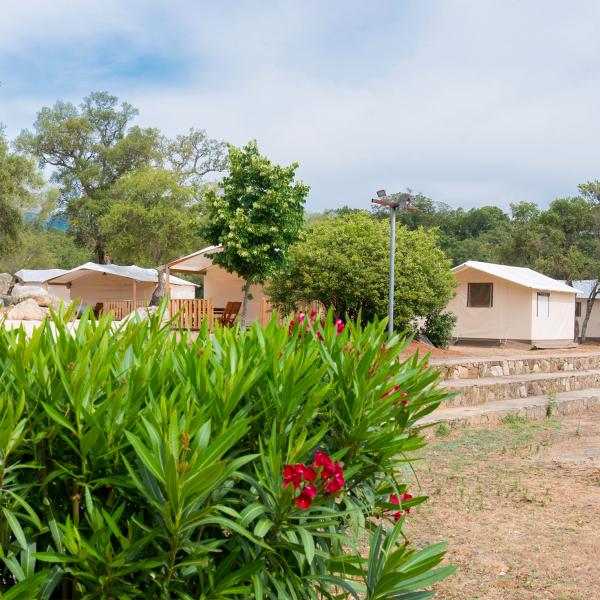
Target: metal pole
[[392, 269]]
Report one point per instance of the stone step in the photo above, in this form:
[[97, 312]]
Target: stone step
[[521, 364], [472, 392], [532, 408]]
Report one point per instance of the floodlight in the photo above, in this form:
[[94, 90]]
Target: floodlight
[[381, 194]]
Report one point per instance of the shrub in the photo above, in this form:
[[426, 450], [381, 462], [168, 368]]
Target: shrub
[[439, 327], [138, 463]]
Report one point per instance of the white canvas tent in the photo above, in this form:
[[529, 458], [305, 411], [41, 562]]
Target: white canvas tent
[[40, 277], [219, 284], [91, 283], [500, 304]]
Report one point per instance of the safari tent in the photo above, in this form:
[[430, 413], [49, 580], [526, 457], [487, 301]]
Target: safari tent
[[219, 285], [40, 277], [92, 283], [499, 304]]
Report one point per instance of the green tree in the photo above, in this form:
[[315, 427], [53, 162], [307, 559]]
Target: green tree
[[151, 217], [19, 181], [343, 262], [89, 148], [256, 214]]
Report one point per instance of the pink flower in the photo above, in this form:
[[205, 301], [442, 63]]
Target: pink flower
[[301, 318], [303, 501], [394, 499], [339, 325], [310, 490], [397, 515], [308, 473], [322, 459], [291, 475]]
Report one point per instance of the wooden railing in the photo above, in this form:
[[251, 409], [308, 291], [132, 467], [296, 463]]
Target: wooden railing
[[119, 308], [189, 314], [267, 309]]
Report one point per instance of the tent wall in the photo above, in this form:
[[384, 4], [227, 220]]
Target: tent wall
[[182, 292], [558, 323], [93, 287], [593, 329], [508, 318], [225, 287], [60, 290]]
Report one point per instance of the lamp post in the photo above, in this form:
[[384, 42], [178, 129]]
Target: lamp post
[[394, 202]]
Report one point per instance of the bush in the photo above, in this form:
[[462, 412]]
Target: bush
[[439, 327], [138, 463], [344, 262]]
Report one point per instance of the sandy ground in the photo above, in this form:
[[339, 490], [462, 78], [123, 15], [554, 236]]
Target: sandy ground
[[479, 351], [519, 506]]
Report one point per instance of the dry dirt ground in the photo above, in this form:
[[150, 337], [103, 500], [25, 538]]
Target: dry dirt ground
[[473, 352], [519, 505]]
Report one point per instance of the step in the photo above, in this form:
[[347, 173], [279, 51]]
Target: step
[[492, 389], [531, 408], [519, 364]]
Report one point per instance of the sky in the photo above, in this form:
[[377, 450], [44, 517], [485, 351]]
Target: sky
[[470, 102]]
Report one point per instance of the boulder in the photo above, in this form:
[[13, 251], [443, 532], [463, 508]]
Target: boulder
[[140, 314], [5, 283], [41, 295], [28, 310]]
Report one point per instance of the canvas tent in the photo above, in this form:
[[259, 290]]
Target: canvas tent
[[501, 304], [92, 283], [219, 284], [40, 277], [585, 288]]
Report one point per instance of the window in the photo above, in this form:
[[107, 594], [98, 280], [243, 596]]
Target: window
[[578, 309], [480, 295], [543, 304]]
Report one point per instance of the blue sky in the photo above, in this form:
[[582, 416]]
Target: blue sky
[[469, 102]]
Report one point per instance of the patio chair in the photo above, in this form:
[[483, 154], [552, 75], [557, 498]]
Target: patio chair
[[230, 312]]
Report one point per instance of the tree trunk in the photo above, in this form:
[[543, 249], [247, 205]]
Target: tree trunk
[[246, 289], [103, 257], [159, 292], [588, 309]]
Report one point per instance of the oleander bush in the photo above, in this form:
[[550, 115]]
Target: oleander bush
[[136, 462]]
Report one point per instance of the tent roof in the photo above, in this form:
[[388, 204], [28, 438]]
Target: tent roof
[[520, 275], [584, 287], [129, 272], [197, 262], [38, 275]]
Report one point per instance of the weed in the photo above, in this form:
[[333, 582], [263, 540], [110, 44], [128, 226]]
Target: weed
[[551, 406], [442, 430]]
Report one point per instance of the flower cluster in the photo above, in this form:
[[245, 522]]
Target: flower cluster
[[325, 476], [403, 394], [397, 501], [302, 319]]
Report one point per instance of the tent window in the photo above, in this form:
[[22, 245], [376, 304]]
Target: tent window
[[577, 309], [543, 304], [480, 295]]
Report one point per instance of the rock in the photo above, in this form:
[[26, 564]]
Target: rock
[[5, 283], [140, 314], [28, 310], [41, 295], [5, 300]]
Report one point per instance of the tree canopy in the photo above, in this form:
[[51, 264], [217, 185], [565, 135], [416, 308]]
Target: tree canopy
[[342, 261], [19, 180], [91, 147], [256, 214]]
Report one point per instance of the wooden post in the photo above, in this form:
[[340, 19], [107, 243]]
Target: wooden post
[[134, 295], [168, 281]]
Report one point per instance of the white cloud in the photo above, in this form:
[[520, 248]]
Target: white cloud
[[468, 102]]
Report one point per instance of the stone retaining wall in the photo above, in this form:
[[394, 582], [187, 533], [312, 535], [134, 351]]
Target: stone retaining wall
[[522, 366], [482, 393]]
